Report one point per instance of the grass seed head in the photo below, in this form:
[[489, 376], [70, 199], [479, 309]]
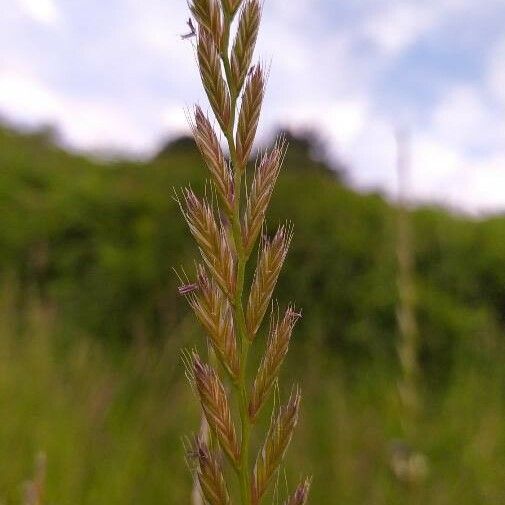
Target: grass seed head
[[271, 258], [235, 91], [265, 177], [215, 314], [231, 6], [275, 447], [210, 149], [208, 16], [211, 238], [212, 78], [249, 116], [245, 42], [301, 494], [278, 344], [216, 407], [210, 475]]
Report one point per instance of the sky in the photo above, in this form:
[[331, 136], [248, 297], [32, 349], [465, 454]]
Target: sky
[[115, 76]]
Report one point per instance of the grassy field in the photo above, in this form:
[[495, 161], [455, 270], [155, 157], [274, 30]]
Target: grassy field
[[112, 428], [91, 329]]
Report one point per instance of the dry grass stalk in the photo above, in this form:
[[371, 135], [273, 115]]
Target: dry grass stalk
[[405, 311], [408, 464], [218, 292]]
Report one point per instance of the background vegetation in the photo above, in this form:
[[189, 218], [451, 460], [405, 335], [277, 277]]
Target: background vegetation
[[91, 326]]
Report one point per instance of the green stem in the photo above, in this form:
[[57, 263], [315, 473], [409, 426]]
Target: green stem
[[243, 470]]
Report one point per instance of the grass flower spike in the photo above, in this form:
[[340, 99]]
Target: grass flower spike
[[230, 312]]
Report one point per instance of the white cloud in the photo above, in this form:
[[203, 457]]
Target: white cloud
[[291, 12], [25, 99], [481, 187], [496, 72], [41, 11], [444, 175], [371, 155], [158, 25], [83, 124], [395, 28], [436, 167], [340, 121], [442, 170], [174, 120], [459, 157], [464, 119]]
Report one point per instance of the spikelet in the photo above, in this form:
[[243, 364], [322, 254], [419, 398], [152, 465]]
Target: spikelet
[[275, 447], [245, 41], [231, 6], [301, 494], [215, 407], [211, 151], [271, 258], [214, 313], [212, 240], [250, 110], [262, 188], [278, 344], [208, 15], [212, 78], [210, 475]]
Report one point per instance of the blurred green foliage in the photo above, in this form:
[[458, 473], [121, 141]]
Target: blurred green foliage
[[91, 326], [100, 242], [112, 429]]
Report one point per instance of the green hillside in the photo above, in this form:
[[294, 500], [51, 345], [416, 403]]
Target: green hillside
[[100, 241], [92, 325]]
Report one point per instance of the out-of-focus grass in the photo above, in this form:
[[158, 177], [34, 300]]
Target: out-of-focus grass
[[111, 426]]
